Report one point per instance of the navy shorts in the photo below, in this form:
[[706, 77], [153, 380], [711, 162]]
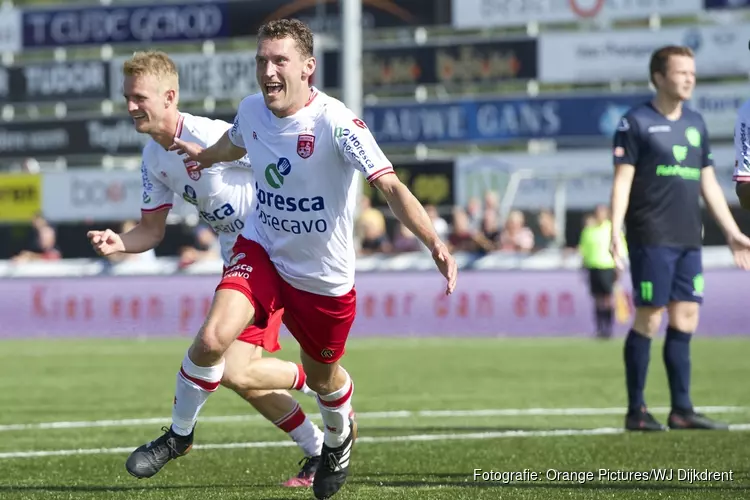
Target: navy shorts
[[664, 274]]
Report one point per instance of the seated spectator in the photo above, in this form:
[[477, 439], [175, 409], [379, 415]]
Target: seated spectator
[[45, 247], [374, 239], [463, 236], [488, 238], [547, 235], [516, 237], [474, 213], [405, 241], [205, 246], [441, 226]]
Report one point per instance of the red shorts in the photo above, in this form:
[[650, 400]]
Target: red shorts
[[320, 323], [265, 336]]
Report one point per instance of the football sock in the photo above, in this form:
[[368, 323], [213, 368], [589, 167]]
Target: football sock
[[677, 361], [637, 355], [194, 385], [302, 431], [335, 409]]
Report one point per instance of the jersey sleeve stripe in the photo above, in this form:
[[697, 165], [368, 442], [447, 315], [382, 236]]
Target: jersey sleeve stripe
[[157, 209], [380, 173]]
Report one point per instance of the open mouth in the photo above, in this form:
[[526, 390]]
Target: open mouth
[[274, 88], [138, 118]]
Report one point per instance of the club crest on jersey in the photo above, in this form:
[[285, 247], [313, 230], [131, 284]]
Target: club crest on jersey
[[193, 174], [305, 145]]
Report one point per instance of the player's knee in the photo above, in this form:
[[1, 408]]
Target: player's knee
[[684, 316], [214, 339], [648, 320], [325, 379]]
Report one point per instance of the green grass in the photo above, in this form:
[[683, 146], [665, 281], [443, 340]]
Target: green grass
[[51, 380]]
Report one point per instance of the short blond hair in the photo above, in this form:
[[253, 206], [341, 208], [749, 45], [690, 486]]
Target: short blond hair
[[153, 63]]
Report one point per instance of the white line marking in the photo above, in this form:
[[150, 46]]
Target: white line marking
[[507, 412], [364, 439]]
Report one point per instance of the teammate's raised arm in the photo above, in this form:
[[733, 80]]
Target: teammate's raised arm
[[147, 234], [224, 150]]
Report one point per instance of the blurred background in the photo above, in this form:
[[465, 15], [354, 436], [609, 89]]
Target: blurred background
[[498, 114]]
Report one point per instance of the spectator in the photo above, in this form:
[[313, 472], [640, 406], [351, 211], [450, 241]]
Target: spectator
[[488, 238], [547, 235], [441, 226], [462, 237], [516, 237], [405, 241], [205, 246], [474, 213], [45, 248]]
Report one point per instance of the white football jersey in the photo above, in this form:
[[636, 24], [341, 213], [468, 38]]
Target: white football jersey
[[742, 144], [223, 193], [307, 174]]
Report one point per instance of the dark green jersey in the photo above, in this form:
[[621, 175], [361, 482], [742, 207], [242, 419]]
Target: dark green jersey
[[664, 206]]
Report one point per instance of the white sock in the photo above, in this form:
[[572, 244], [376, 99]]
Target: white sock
[[302, 431], [335, 409], [194, 385], [307, 391]]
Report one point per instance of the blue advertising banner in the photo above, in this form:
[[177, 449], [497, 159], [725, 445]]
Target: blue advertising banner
[[726, 4], [500, 120], [168, 22], [141, 23]]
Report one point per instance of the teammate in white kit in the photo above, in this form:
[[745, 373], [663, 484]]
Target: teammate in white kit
[[742, 155], [223, 195], [297, 251]]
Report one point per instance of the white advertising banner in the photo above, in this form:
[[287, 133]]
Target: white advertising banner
[[225, 75], [11, 32], [578, 57], [587, 175], [719, 104], [92, 194], [468, 14]]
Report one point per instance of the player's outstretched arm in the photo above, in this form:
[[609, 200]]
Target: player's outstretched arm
[[147, 234], [621, 186], [412, 214], [222, 151]]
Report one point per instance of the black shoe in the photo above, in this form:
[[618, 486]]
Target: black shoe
[[334, 466], [690, 420], [306, 475], [642, 420], [148, 459]]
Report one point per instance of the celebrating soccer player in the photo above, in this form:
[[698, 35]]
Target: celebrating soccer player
[[223, 196], [663, 164], [296, 251]]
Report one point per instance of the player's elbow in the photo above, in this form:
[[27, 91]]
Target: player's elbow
[[390, 185], [743, 194]]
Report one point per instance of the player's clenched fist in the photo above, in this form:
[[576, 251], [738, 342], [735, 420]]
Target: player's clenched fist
[[106, 242]]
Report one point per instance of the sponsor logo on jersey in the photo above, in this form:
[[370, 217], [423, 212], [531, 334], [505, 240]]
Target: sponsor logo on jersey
[[623, 125], [190, 195], [146, 197], [148, 186], [359, 123], [236, 258], [305, 145], [275, 172], [354, 147]]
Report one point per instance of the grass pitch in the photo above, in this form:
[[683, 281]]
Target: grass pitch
[[431, 412]]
